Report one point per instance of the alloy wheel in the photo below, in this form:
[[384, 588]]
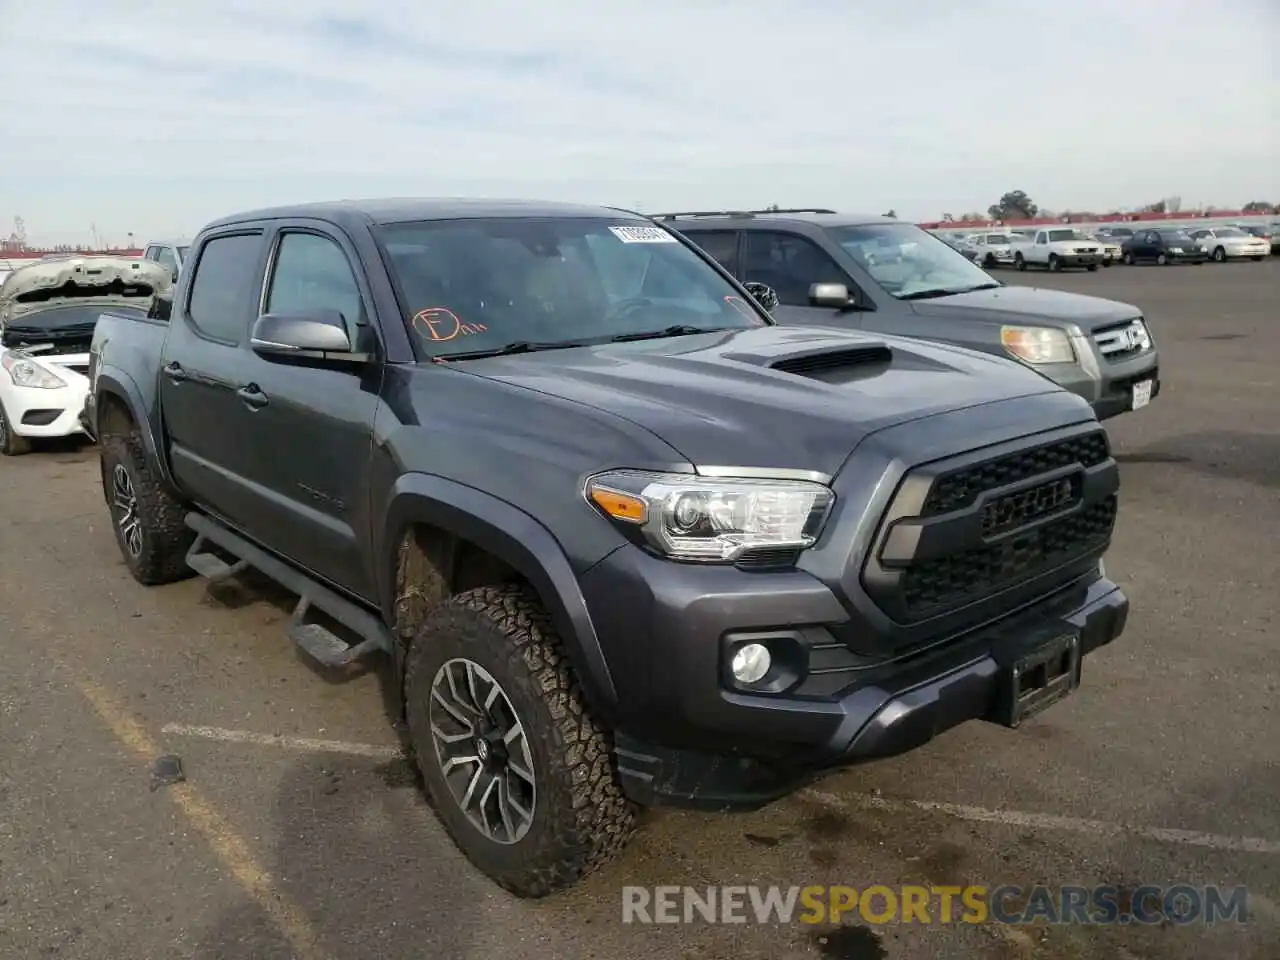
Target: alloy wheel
[[125, 501], [483, 750]]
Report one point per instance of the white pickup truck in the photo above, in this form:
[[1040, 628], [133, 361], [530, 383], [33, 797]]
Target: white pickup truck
[[1055, 248]]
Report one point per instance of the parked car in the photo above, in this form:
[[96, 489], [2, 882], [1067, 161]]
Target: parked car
[[994, 249], [47, 314], [1231, 243], [961, 246], [1114, 234], [1163, 246], [1055, 248], [168, 253], [1271, 234], [626, 541], [1112, 250], [883, 276]]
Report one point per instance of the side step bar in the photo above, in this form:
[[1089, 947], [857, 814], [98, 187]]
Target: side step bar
[[314, 639]]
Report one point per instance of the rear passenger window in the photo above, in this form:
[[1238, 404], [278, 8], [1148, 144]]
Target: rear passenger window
[[721, 245], [312, 273], [223, 287]]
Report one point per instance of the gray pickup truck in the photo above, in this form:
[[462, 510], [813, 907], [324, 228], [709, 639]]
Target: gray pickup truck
[[884, 276], [626, 541]]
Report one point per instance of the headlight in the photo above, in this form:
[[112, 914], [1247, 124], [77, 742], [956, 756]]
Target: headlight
[[1175, 249], [28, 373], [687, 517], [1038, 344]]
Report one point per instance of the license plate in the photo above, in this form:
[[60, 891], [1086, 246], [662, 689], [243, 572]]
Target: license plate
[[1040, 679], [1142, 394]]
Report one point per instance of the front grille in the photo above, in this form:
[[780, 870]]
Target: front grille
[[1123, 340], [960, 535], [958, 489], [946, 581]]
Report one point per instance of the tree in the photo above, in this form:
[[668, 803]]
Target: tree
[[892, 213], [1258, 206], [771, 207], [1157, 207], [1014, 205]]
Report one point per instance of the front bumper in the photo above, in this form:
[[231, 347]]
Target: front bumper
[[1079, 259], [700, 743], [39, 413], [1244, 253]]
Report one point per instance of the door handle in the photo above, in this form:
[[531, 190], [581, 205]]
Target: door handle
[[173, 370], [253, 396]]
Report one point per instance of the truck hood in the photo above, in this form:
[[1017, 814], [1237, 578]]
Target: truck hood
[[1053, 308], [98, 281], [784, 398]]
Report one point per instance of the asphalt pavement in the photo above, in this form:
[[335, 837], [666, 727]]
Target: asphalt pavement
[[296, 830]]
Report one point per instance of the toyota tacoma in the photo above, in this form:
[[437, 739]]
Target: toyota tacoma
[[625, 541]]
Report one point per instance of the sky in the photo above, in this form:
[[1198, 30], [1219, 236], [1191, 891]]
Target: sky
[[152, 118]]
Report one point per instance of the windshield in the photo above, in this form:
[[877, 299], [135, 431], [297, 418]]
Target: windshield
[[1066, 235], [1178, 236], [1230, 232], [998, 239], [469, 285], [908, 262]]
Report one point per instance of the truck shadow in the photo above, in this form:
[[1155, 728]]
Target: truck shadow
[[1220, 454]]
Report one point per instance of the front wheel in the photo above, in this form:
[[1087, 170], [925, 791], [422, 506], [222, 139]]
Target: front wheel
[[1256, 259], [1093, 267], [146, 517], [1127, 258], [989, 262], [1054, 263], [1163, 260], [518, 772], [11, 444], [1220, 255], [1019, 262]]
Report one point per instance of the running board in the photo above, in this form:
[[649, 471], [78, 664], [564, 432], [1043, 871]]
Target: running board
[[314, 639]]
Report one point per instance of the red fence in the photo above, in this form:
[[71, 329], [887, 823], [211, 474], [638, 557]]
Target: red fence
[[1091, 218]]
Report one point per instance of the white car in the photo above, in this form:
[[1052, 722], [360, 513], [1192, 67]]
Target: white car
[[1230, 243], [1056, 248], [993, 249], [47, 314]]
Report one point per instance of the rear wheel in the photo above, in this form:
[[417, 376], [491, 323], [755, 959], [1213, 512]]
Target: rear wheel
[[1256, 259], [989, 262], [11, 445], [146, 517], [518, 772]]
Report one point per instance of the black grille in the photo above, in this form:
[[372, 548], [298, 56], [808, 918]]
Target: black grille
[[974, 573], [768, 558], [1027, 506], [956, 490]]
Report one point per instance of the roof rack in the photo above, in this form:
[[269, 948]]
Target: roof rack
[[736, 213]]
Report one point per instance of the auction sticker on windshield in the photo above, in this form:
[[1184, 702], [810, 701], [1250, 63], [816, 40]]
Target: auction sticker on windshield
[[642, 235]]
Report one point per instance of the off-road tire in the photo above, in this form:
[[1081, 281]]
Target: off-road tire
[[165, 538], [11, 445], [581, 818]]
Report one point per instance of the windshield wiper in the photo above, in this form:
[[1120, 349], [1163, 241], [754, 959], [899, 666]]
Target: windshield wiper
[[931, 294], [507, 349], [677, 330]]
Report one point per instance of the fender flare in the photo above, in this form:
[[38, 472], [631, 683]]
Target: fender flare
[[116, 383], [518, 540]]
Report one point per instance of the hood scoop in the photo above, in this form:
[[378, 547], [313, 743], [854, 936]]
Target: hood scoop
[[832, 364]]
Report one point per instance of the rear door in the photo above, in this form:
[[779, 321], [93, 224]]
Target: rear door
[[723, 246]]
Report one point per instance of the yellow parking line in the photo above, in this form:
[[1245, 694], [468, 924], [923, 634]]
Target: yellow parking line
[[218, 833]]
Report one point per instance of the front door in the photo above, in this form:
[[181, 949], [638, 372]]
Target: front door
[[790, 264], [311, 445]]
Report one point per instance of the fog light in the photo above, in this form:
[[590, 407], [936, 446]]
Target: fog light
[[751, 662]]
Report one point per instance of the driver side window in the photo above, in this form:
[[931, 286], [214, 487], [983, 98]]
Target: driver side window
[[312, 273], [789, 264]]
